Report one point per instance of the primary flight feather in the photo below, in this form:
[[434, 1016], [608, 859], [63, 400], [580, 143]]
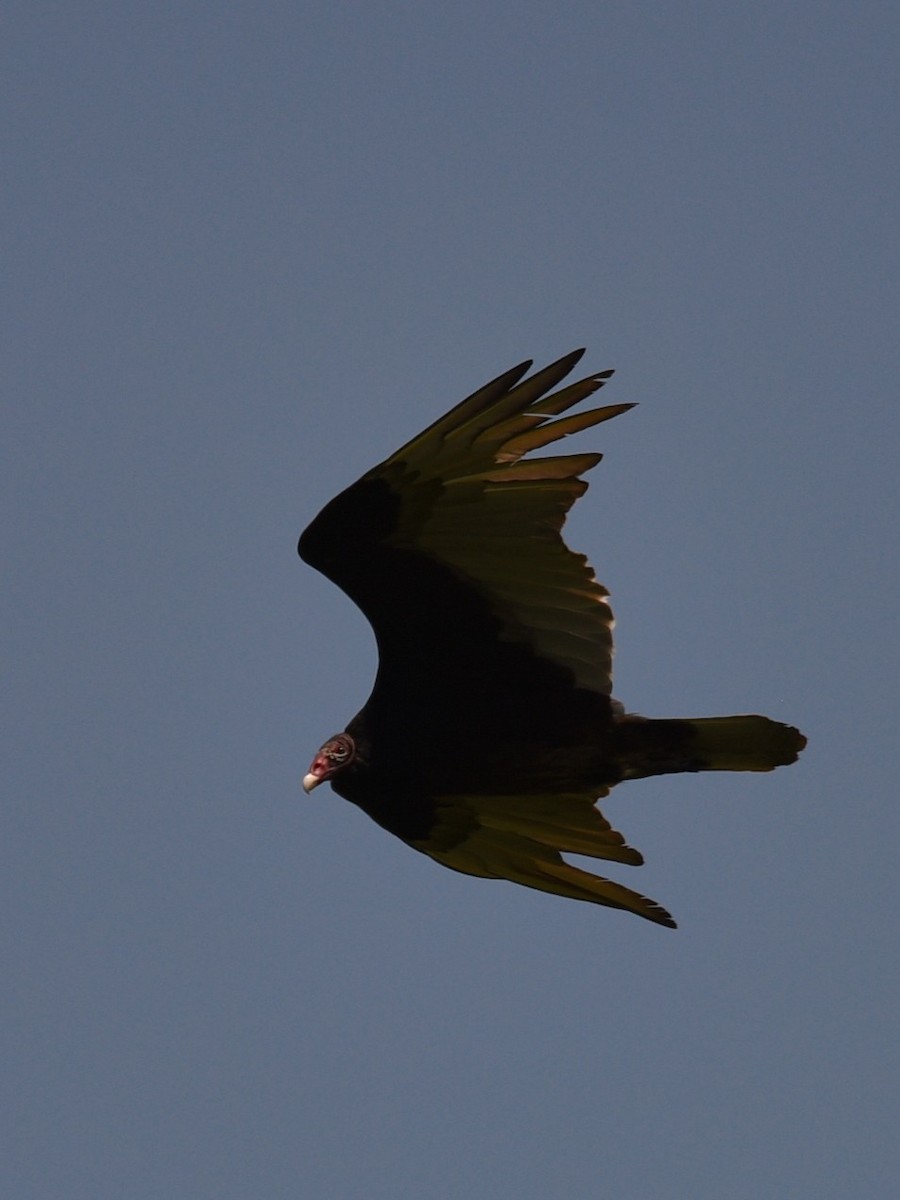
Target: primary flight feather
[[491, 730]]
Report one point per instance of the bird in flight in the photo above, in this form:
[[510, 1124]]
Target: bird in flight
[[491, 730]]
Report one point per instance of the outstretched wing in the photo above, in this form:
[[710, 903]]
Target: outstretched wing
[[520, 839], [452, 548]]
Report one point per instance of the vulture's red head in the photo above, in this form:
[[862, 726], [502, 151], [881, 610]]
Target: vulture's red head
[[337, 753]]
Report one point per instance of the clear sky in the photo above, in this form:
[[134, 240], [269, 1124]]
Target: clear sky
[[250, 250]]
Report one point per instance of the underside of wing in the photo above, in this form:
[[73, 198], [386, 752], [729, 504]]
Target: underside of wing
[[522, 838], [462, 497]]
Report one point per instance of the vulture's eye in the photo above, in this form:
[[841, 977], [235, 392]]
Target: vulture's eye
[[340, 751]]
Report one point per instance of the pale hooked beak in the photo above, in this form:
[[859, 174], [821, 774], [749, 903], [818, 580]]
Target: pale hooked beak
[[310, 781]]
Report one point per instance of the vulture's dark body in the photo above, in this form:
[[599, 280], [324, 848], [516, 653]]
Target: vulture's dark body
[[490, 731], [498, 717]]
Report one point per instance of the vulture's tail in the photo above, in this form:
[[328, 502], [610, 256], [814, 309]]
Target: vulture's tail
[[741, 743]]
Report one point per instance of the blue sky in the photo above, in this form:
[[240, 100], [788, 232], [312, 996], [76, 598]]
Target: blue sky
[[251, 250]]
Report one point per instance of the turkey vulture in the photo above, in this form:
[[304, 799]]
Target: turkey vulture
[[491, 730]]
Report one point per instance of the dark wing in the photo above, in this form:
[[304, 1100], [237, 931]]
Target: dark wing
[[520, 838], [458, 520]]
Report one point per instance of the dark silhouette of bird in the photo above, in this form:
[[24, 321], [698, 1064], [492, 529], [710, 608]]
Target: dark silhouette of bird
[[491, 730]]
